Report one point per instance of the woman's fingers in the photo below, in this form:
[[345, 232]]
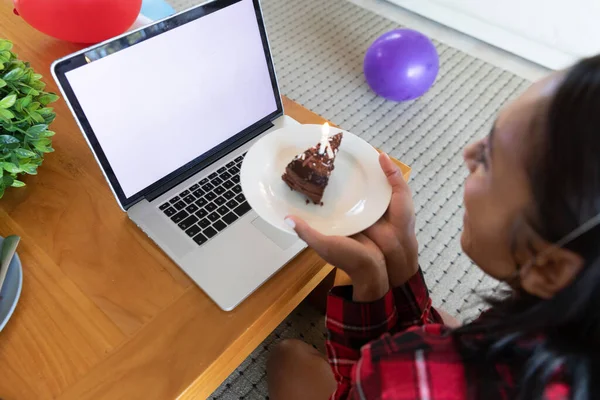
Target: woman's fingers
[[361, 238], [370, 231], [358, 256], [319, 242], [343, 252], [381, 234]]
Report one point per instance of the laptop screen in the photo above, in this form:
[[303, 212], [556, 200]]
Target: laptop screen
[[156, 106]]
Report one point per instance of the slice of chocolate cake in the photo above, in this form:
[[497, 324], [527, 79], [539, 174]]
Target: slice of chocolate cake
[[308, 173]]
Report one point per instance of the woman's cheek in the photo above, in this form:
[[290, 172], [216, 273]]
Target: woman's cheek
[[471, 194], [485, 237], [473, 200]]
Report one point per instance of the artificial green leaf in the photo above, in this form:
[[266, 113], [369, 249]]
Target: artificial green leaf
[[11, 147], [33, 106], [47, 134], [39, 85], [37, 76], [28, 90], [6, 45], [13, 74], [2, 82], [25, 101], [7, 180], [5, 56], [29, 168], [36, 117], [35, 130], [49, 118], [8, 101], [42, 142], [10, 127], [1, 66], [47, 98], [17, 183], [6, 114], [42, 148], [24, 153], [7, 139], [46, 111], [10, 167]]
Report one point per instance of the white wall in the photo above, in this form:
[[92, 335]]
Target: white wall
[[553, 33]]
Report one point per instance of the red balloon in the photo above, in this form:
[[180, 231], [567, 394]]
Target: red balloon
[[80, 21]]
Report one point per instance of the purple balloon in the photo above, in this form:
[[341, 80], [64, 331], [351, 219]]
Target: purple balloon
[[401, 65]]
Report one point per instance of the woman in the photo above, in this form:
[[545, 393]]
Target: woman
[[532, 220]]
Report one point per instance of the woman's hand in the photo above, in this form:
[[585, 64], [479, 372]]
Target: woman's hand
[[384, 255], [357, 256], [394, 233]]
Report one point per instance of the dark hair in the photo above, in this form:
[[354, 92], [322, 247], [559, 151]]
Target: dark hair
[[542, 338]]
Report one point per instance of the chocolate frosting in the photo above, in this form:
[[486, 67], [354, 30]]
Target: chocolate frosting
[[313, 168]]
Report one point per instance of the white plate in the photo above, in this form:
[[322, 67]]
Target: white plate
[[357, 195]]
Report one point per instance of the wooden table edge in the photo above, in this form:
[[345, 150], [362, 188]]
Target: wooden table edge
[[212, 377]]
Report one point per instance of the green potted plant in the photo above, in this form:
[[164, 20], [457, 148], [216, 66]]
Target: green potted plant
[[24, 119]]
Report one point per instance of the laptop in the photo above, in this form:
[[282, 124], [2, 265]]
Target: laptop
[[169, 111]]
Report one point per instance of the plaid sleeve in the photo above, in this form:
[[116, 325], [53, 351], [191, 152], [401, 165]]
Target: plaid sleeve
[[413, 303], [418, 363], [351, 325]]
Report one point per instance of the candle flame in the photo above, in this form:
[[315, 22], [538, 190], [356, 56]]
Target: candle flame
[[324, 137]]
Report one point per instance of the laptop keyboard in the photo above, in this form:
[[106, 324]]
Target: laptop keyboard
[[210, 205]]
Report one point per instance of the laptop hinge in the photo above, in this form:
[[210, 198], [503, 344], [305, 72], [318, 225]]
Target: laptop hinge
[[207, 162]]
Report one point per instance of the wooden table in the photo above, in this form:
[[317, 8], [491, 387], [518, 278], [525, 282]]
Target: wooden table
[[104, 314]]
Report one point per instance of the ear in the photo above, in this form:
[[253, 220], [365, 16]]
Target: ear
[[553, 269]]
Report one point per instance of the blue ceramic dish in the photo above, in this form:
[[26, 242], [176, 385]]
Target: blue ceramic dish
[[11, 290]]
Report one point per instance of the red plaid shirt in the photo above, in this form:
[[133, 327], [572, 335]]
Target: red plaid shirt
[[395, 348]]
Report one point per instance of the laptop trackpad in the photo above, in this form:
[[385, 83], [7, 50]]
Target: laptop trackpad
[[282, 239]]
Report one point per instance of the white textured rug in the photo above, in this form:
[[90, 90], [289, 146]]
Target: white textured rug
[[318, 48]]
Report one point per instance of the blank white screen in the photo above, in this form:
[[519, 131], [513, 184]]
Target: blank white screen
[[163, 102]]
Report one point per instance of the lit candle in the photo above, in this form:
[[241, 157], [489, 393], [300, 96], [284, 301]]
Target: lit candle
[[324, 138]]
